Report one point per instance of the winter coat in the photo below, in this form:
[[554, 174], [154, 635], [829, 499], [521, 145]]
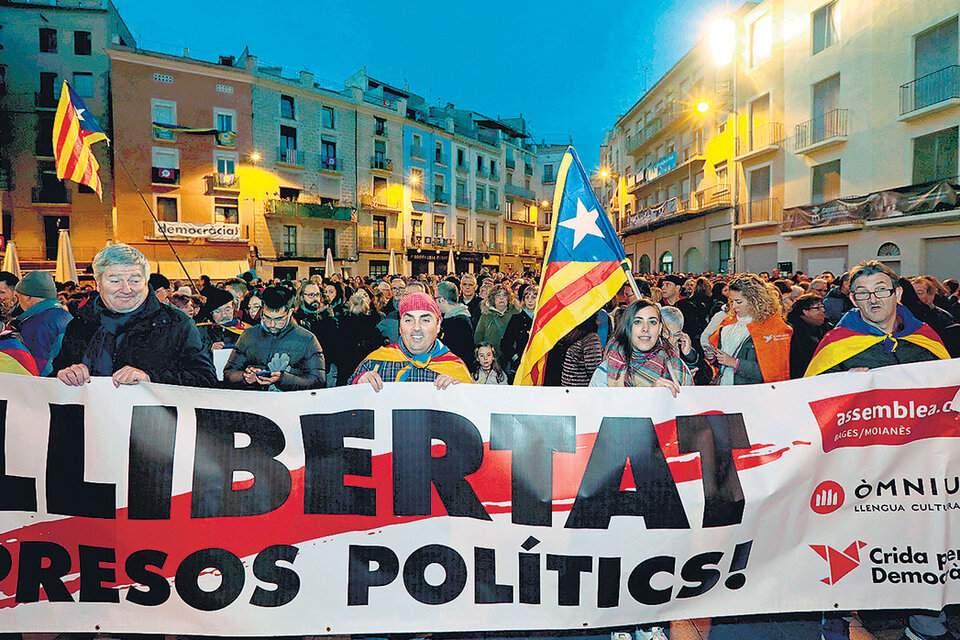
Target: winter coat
[[456, 331], [492, 326], [359, 337], [514, 342], [160, 340], [41, 327], [294, 351]]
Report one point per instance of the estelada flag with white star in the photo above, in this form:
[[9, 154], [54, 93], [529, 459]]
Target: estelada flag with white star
[[582, 271], [74, 130]]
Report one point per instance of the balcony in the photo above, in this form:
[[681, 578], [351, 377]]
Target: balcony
[[291, 157], [522, 216], [676, 162], [525, 247], [930, 93], [760, 213], [291, 209], [440, 159], [379, 243], [519, 192], [381, 163], [164, 175], [482, 172], [677, 209], [380, 202], [511, 163], [51, 194], [417, 151], [765, 137], [43, 100], [463, 201], [545, 221], [223, 182], [380, 101], [463, 167], [488, 207], [440, 196], [659, 123], [824, 131], [329, 163]]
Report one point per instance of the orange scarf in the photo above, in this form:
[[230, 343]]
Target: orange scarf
[[771, 339]]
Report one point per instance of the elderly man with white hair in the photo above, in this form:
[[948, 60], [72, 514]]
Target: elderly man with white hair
[[127, 334]]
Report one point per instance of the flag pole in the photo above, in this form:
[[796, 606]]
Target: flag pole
[[633, 283], [163, 231]]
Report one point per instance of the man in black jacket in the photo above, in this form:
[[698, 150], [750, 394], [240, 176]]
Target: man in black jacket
[[456, 332], [809, 324], [126, 333]]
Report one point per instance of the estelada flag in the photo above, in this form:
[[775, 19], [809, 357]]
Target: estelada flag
[[582, 270], [74, 130]]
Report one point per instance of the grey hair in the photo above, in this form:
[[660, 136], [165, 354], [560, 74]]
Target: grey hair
[[448, 291], [122, 255], [672, 316]]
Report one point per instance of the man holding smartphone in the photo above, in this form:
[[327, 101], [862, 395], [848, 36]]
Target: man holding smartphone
[[277, 354]]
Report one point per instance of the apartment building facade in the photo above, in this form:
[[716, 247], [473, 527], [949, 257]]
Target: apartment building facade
[[44, 44], [190, 177], [821, 134]]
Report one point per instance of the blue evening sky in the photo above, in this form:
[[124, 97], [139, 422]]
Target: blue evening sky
[[571, 68]]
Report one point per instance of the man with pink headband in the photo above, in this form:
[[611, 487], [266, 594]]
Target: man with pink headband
[[419, 356]]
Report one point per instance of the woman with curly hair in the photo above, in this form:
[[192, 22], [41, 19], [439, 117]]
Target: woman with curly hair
[[640, 356], [752, 344], [494, 320]]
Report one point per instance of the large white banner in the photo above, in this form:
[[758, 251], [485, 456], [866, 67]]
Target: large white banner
[[161, 509]]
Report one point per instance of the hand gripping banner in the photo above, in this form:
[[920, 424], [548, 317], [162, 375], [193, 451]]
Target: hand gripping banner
[[160, 509]]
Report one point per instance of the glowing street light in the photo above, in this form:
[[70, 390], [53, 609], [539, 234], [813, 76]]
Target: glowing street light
[[545, 204], [414, 179], [255, 156], [702, 106], [604, 173]]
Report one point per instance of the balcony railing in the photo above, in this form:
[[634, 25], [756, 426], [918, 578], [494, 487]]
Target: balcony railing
[[380, 202], [931, 89], [417, 152], [441, 197], [831, 126], [518, 192], [380, 101], [463, 201], [489, 207], [226, 181], [522, 216], [52, 194], [760, 211], [526, 246], [546, 219], [381, 163], [463, 166], [482, 172], [290, 156], [763, 136], [715, 197], [292, 209], [329, 163], [379, 243]]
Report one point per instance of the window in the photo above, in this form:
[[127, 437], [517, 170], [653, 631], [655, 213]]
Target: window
[[378, 268], [164, 158], [721, 170], [328, 153], [163, 112], [481, 197], [167, 209], [83, 84], [825, 21], [289, 239], [379, 232], [327, 117], [226, 164], [226, 211], [479, 163], [888, 250], [81, 43], [224, 120], [493, 167], [509, 177], [286, 107], [44, 143], [288, 137], [826, 100], [48, 40], [493, 233], [416, 183], [330, 241], [826, 181], [480, 232], [548, 173], [461, 232], [935, 59], [48, 89], [380, 127], [416, 226], [439, 188], [761, 40], [494, 200], [666, 262], [289, 193], [438, 153], [461, 157], [935, 156], [438, 223]]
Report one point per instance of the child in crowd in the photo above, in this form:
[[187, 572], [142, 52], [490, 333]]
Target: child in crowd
[[488, 369]]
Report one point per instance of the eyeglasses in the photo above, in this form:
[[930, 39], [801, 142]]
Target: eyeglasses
[[311, 296], [881, 294]]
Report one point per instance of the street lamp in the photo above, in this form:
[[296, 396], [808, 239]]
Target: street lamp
[[255, 157]]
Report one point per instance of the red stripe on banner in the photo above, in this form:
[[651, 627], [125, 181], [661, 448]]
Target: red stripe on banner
[[68, 115], [571, 292], [244, 536]]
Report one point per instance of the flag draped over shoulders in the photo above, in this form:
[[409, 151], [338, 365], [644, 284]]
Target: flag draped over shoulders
[[582, 270], [440, 360], [853, 335]]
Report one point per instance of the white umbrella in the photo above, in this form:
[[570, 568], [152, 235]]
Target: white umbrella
[[66, 267], [10, 261], [328, 270], [391, 268], [451, 266]]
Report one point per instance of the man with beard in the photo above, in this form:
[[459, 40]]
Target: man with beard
[[277, 354], [313, 315]]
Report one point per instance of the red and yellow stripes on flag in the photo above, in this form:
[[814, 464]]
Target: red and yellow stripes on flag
[[71, 146], [570, 292]]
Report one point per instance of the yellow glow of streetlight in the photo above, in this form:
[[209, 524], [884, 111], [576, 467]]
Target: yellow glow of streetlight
[[723, 40], [702, 106], [255, 156], [545, 204], [604, 173], [414, 179]]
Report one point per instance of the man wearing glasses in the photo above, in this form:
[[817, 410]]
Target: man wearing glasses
[[277, 354], [810, 325], [878, 331]]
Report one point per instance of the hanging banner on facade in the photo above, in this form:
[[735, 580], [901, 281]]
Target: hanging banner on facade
[[213, 231], [161, 509]]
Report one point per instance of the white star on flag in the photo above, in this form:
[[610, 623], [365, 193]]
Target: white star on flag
[[80, 114], [583, 224]]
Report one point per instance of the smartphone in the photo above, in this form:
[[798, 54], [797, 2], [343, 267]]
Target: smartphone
[[265, 374]]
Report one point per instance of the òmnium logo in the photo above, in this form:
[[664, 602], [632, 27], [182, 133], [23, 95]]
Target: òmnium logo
[[827, 497], [840, 562]]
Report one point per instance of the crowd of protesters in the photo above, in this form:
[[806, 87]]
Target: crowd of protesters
[[680, 330]]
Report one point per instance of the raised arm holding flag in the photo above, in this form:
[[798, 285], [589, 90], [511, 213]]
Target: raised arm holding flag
[[583, 270]]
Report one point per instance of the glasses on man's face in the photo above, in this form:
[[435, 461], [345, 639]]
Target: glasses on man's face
[[311, 296], [880, 294], [397, 289]]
